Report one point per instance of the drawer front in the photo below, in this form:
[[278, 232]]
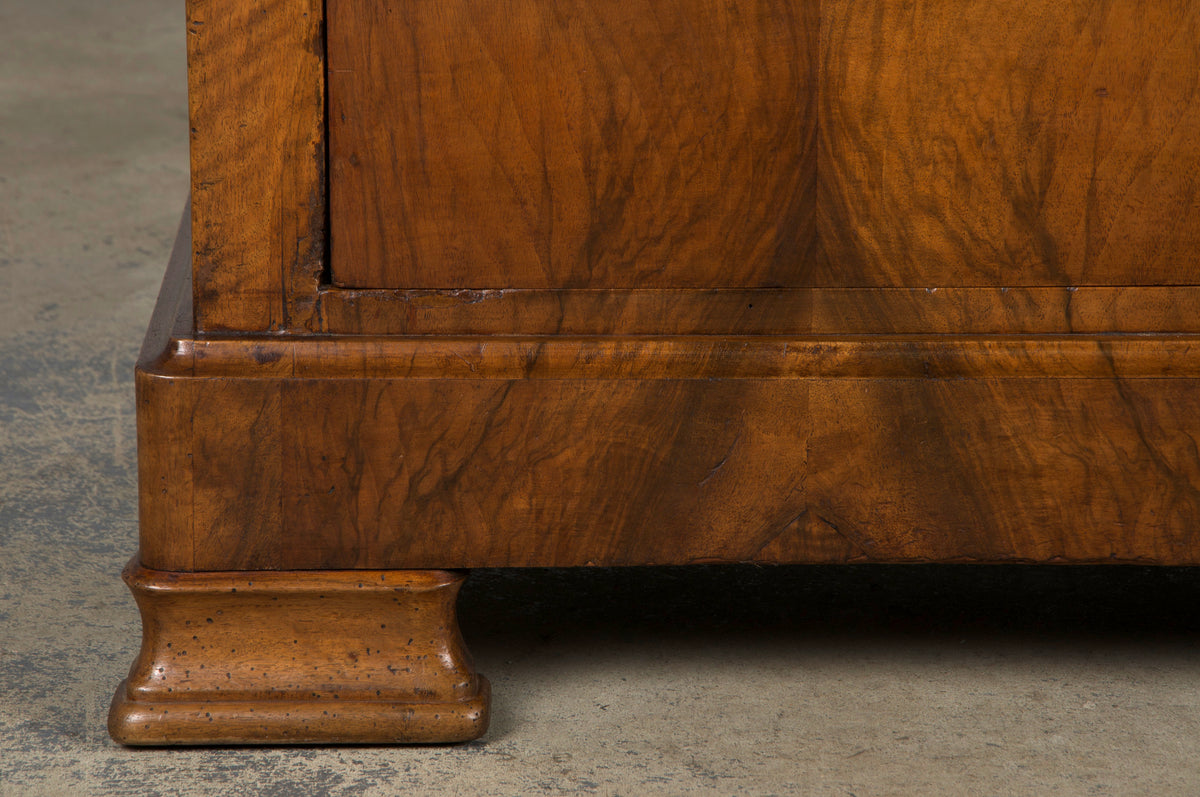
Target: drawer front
[[619, 144]]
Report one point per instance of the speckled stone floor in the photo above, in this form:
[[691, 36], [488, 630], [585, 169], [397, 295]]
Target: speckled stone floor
[[814, 681]]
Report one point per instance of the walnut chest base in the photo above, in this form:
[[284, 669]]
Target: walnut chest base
[[619, 282]]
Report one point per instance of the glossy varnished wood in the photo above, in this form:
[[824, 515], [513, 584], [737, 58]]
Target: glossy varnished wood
[[1038, 470], [399, 452], [672, 472], [571, 143], [605, 359], [602, 145], [1091, 310], [621, 283], [256, 94], [302, 658], [958, 148], [1009, 143]]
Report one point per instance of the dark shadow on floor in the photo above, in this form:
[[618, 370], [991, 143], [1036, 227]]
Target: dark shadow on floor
[[1119, 603]]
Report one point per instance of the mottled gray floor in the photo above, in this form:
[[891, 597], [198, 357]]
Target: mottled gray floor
[[823, 681]]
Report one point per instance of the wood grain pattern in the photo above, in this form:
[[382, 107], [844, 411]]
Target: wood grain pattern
[[236, 500], [403, 452], [1005, 143], [256, 89], [541, 472], [1039, 470], [606, 359], [623, 282], [816, 311], [210, 472], [486, 472], [298, 658], [985, 143], [571, 143]]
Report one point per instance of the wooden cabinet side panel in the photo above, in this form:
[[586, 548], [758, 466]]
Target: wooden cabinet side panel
[[210, 473], [236, 439], [257, 109], [165, 476]]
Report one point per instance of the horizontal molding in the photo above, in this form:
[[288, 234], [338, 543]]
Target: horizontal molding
[[793, 311], [684, 357]]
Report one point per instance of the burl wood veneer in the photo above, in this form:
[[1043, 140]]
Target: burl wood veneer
[[609, 282]]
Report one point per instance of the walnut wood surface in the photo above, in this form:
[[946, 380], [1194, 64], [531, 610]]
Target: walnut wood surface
[[570, 143], [621, 282], [402, 452], [1042, 470], [606, 359], [256, 89], [298, 658], [475, 473], [818, 311], [554, 144], [1009, 143]]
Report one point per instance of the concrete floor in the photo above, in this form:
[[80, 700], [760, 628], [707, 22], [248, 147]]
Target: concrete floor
[[822, 681]]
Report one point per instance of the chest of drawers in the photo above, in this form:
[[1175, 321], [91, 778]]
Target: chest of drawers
[[511, 283]]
